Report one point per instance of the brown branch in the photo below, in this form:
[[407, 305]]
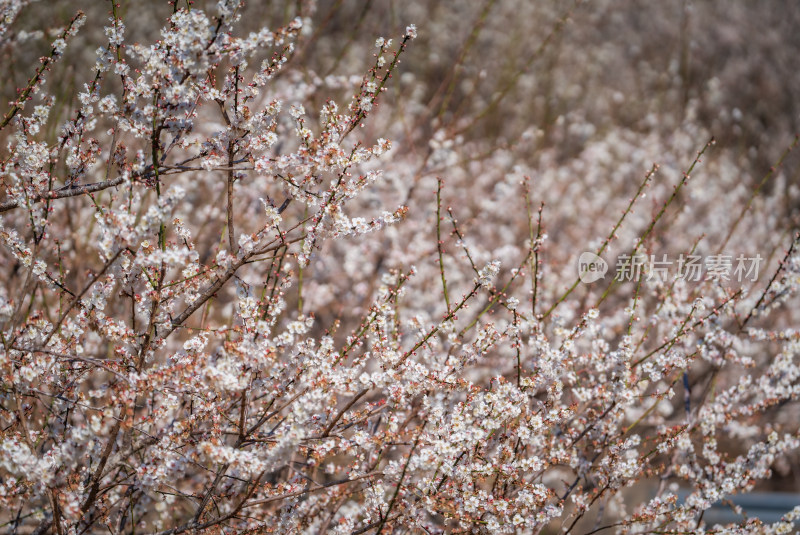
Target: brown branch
[[220, 282], [197, 528], [98, 473], [73, 191], [346, 408], [87, 360], [78, 297], [316, 489]]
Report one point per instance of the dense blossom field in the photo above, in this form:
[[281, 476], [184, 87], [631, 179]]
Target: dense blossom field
[[352, 267]]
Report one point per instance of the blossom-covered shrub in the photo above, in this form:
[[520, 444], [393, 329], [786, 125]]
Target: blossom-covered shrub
[[291, 279]]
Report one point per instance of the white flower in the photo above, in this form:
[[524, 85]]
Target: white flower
[[365, 103], [246, 243], [59, 45], [116, 33], [196, 344], [107, 104], [121, 68], [487, 274]]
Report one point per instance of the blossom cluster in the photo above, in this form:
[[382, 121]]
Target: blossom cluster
[[247, 286]]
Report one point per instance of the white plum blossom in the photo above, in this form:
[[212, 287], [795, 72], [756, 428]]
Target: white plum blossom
[[487, 274], [251, 268]]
